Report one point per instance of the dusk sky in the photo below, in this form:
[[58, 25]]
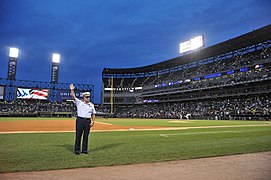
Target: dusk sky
[[93, 34]]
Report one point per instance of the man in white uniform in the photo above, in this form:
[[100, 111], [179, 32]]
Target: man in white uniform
[[84, 121]]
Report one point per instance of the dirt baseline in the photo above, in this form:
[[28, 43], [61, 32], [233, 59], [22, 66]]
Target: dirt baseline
[[37, 126], [57, 126], [235, 167]]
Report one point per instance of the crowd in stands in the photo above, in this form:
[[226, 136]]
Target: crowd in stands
[[246, 107], [204, 67], [37, 107], [219, 66], [243, 107], [42, 108], [237, 68], [252, 102]]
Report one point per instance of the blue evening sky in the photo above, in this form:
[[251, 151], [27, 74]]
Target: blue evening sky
[[93, 34]]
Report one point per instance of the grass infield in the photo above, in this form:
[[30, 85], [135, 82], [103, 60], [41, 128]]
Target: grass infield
[[46, 151]]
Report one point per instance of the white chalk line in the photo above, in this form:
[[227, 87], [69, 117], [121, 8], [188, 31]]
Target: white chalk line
[[104, 123], [145, 129]]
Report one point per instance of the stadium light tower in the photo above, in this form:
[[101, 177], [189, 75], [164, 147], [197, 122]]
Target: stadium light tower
[[55, 67], [12, 65]]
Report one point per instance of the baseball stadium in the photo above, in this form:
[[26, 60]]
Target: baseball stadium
[[210, 107]]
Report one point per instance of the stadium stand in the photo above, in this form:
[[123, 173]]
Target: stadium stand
[[234, 71], [38, 108]]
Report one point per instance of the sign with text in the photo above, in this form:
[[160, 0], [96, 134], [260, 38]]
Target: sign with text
[[63, 95]]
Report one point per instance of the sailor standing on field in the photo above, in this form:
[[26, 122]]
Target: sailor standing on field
[[84, 121]]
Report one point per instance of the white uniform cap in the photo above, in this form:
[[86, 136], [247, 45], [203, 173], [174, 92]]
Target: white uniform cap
[[86, 94]]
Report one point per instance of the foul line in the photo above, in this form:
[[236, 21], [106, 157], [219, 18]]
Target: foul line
[[103, 123], [134, 129]]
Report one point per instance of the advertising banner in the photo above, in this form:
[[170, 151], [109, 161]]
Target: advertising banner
[[63, 95]]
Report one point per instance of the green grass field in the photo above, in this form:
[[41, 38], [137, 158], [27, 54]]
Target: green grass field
[[46, 151]]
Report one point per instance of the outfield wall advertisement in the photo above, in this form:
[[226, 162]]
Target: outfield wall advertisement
[[63, 95]]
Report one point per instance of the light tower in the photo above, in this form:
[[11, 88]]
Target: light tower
[[55, 67], [12, 65]]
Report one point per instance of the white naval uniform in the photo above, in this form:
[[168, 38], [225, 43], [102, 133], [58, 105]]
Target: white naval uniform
[[84, 110]]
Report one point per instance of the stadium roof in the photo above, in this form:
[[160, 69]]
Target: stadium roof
[[254, 37]]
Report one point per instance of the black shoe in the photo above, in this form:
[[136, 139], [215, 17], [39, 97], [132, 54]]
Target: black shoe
[[77, 153], [84, 152]]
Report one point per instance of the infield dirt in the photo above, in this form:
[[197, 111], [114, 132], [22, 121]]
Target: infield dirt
[[32, 126]]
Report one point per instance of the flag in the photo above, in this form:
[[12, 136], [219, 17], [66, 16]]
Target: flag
[[39, 93]]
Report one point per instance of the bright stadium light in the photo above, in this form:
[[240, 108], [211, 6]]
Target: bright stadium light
[[13, 52], [55, 67], [12, 64], [196, 42], [191, 44], [56, 58]]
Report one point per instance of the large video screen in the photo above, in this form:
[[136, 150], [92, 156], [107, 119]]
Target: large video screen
[[1, 92], [33, 93]]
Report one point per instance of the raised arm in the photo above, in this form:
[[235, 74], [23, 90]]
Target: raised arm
[[72, 91]]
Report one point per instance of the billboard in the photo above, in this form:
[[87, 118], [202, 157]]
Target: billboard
[[63, 95], [1, 92], [192, 44], [32, 93]]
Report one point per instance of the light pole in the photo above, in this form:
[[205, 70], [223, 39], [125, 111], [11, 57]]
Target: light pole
[[55, 67], [12, 65]]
